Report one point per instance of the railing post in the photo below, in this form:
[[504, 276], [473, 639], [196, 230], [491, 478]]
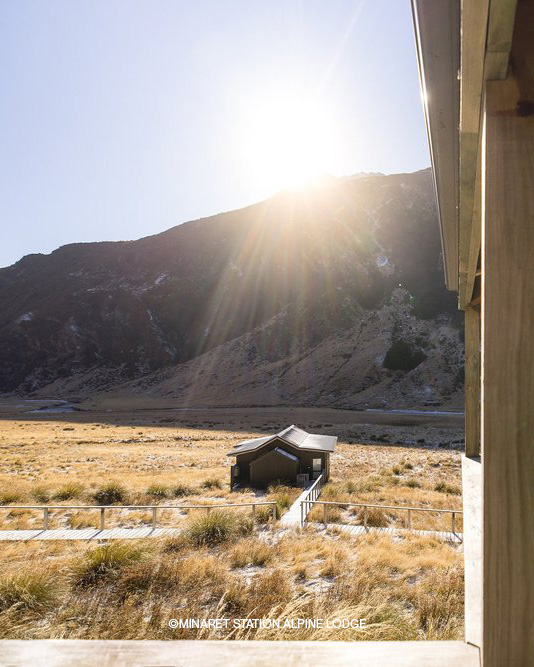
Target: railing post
[[409, 519], [365, 517], [207, 509], [275, 512], [453, 522], [253, 516], [154, 510], [102, 518], [324, 515], [45, 518]]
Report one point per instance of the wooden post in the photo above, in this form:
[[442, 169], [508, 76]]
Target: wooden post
[[154, 523], [365, 518], [453, 523], [102, 518], [472, 381], [253, 516], [508, 359], [45, 518], [324, 516], [409, 519]]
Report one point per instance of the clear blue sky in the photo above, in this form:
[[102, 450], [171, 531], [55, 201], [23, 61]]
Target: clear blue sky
[[122, 118]]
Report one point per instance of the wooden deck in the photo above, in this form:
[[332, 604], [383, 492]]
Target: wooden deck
[[199, 653]]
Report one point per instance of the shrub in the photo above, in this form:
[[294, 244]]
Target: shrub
[[158, 491], [26, 591], [413, 484], [443, 487], [68, 491], [179, 490], [396, 470], [408, 465], [212, 528], [212, 483], [110, 493], [100, 562]]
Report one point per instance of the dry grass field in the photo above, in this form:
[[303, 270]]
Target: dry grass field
[[406, 588]]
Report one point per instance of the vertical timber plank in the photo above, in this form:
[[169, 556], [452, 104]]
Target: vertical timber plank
[[508, 381], [472, 381]]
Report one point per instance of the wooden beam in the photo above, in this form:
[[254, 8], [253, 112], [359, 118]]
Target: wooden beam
[[508, 361], [474, 23], [472, 381], [499, 42]]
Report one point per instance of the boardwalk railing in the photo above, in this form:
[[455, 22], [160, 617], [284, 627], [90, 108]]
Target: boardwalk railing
[[366, 506], [310, 497], [46, 509]]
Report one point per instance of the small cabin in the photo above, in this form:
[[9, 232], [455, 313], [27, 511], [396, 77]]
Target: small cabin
[[292, 456]]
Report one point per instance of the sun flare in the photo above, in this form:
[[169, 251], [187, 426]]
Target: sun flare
[[289, 141]]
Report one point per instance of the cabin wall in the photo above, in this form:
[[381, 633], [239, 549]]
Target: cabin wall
[[305, 460]]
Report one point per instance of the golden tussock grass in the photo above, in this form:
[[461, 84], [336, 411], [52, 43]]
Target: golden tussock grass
[[406, 588]]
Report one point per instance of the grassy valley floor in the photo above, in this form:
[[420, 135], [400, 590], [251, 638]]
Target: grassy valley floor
[[407, 587]]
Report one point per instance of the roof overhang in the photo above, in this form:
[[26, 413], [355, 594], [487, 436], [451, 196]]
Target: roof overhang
[[437, 33], [454, 62]]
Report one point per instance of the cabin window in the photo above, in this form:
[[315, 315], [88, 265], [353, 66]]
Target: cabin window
[[317, 465]]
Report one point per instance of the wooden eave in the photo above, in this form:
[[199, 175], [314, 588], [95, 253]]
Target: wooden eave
[[484, 49]]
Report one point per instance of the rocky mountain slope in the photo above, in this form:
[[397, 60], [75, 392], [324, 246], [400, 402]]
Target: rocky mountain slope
[[332, 296]]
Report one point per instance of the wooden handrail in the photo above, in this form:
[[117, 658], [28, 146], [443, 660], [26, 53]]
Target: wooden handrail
[[129, 507], [387, 507], [46, 509], [365, 506]]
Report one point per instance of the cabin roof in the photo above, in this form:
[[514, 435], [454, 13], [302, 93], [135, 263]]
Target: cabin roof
[[292, 435]]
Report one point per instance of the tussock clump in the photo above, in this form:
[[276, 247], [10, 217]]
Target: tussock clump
[[283, 496], [41, 494], [30, 590], [175, 544], [7, 497], [439, 602], [110, 493], [376, 517], [97, 564], [212, 483], [269, 590], [158, 491], [251, 552], [264, 514], [443, 487], [413, 484], [179, 490], [69, 492], [212, 528]]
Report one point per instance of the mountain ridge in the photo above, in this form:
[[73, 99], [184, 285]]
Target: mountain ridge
[[294, 272]]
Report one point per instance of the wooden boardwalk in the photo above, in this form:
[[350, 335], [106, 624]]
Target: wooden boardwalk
[[444, 535], [87, 534]]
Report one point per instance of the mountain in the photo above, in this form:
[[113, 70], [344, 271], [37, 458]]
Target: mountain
[[329, 296]]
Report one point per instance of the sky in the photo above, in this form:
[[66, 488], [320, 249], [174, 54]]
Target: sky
[[122, 118]]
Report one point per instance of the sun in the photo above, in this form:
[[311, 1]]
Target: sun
[[289, 140]]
